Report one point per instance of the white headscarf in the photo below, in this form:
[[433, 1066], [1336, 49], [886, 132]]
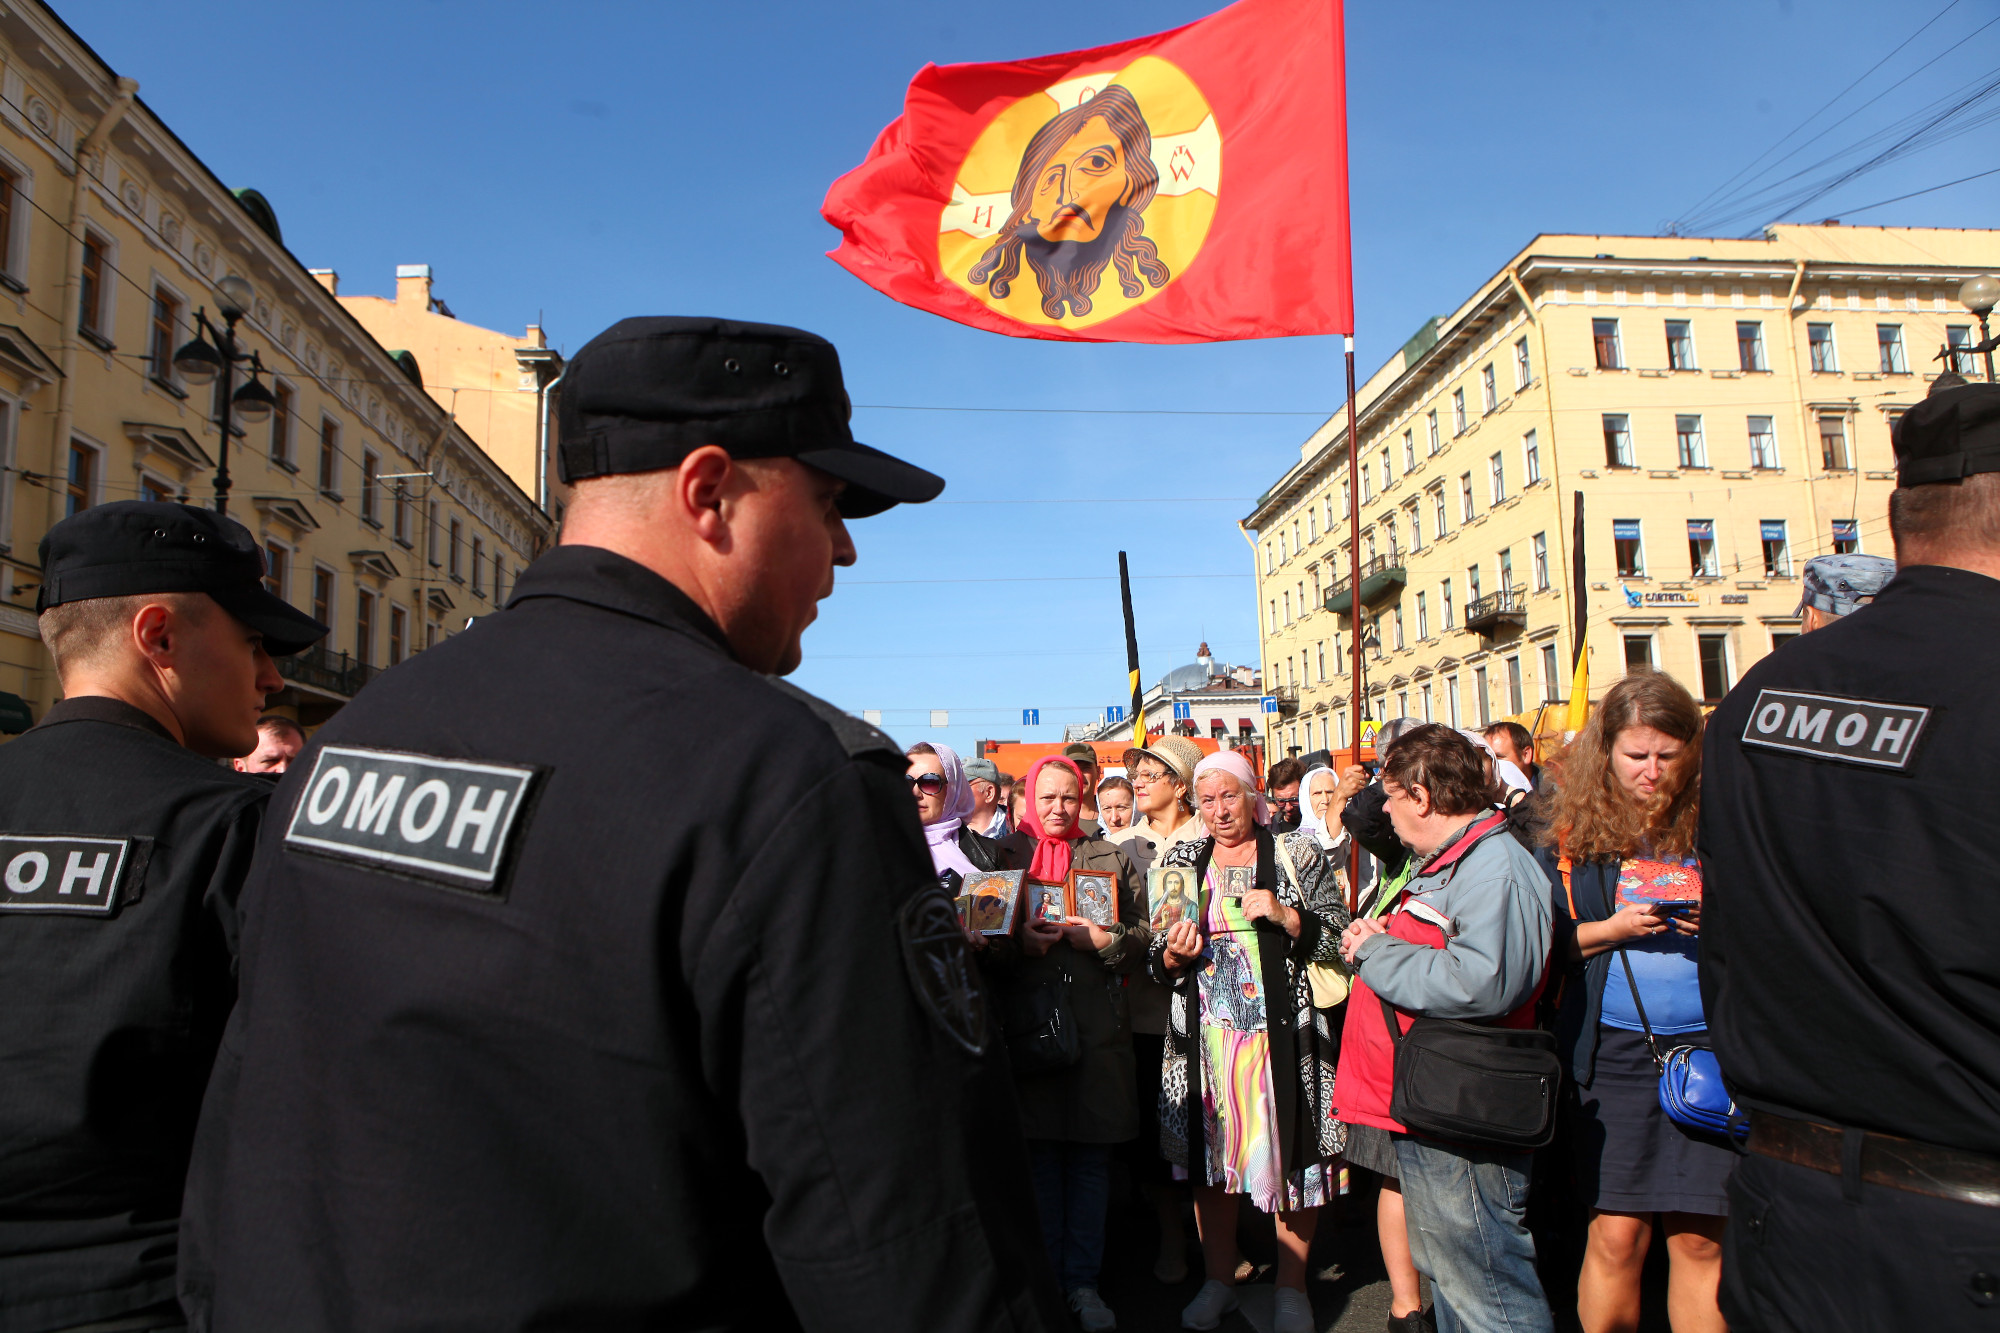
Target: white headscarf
[[942, 835], [1236, 766], [1308, 820]]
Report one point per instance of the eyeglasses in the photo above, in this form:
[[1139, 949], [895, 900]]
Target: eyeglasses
[[1285, 802], [930, 784], [1147, 779]]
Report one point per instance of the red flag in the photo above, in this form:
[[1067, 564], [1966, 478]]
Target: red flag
[[1186, 187]]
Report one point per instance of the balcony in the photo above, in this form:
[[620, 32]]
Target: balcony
[[1381, 579], [1288, 700], [323, 669], [1495, 610]]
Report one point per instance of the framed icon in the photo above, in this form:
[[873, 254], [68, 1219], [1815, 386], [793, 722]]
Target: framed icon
[[991, 900], [1171, 896], [1238, 880], [1093, 896], [1047, 902]]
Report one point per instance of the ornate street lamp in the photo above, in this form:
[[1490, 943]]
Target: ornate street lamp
[[1980, 295], [212, 357]]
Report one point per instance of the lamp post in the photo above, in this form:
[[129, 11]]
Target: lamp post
[[202, 361], [1980, 295]]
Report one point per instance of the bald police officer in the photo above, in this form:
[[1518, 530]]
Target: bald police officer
[[595, 977], [1851, 948], [123, 845]]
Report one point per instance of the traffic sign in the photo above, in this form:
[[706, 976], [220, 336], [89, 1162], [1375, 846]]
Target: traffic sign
[[1270, 703], [1031, 717], [1115, 713], [1368, 730], [1183, 712]]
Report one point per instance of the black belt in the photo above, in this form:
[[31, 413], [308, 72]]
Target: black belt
[[1900, 1164]]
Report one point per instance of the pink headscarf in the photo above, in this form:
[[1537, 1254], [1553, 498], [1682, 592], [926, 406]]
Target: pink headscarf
[[1051, 863], [1236, 766]]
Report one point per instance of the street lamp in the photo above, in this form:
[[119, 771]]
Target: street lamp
[[1980, 295], [212, 357]]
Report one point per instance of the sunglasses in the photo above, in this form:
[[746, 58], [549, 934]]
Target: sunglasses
[[930, 784], [1290, 803]]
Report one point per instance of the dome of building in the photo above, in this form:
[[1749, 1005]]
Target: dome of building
[[1190, 677]]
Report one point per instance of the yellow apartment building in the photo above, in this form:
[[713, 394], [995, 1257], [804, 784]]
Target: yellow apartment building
[[378, 512], [1723, 408]]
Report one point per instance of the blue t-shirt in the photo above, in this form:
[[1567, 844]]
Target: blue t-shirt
[[1664, 965]]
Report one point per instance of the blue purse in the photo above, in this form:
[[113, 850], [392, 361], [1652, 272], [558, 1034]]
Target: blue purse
[[1691, 1088]]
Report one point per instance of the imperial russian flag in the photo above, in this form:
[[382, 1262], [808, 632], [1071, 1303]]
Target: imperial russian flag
[[1185, 187]]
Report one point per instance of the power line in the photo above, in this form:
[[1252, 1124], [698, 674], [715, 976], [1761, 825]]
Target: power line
[[1041, 578], [1850, 212]]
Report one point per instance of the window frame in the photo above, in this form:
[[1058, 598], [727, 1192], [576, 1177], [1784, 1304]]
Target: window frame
[[1770, 434], [1606, 344], [1531, 459], [1437, 439], [96, 310], [1635, 568], [1894, 356], [1524, 365], [1619, 450], [371, 488], [325, 579], [1458, 417], [1551, 673], [1645, 640], [1782, 567], [1538, 548], [1496, 476], [160, 351], [1466, 510], [1750, 358], [365, 600], [90, 489], [1690, 442], [1703, 562], [1822, 349], [1489, 387], [399, 634], [1723, 664], [1841, 457], [328, 474], [1680, 350]]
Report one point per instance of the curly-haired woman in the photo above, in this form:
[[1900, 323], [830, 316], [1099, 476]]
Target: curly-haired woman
[[1628, 917]]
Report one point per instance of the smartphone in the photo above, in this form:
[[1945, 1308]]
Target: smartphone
[[1675, 908]]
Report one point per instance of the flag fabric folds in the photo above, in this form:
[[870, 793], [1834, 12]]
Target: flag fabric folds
[[1184, 187]]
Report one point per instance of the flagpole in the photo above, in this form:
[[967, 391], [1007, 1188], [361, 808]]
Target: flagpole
[[1132, 655], [1353, 608]]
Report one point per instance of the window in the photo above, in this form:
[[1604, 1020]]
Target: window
[[1274, 615], [323, 594], [1628, 548], [1750, 345], [399, 511], [1714, 651], [1524, 375], [1471, 584], [1777, 554], [1604, 333], [431, 533], [1958, 337], [1270, 557], [1515, 702], [1367, 483], [1779, 638], [1497, 466], [1688, 442], [1389, 526], [399, 633], [1458, 421], [1409, 451], [1531, 458], [81, 492], [1451, 699], [1431, 418], [1444, 603], [431, 635], [1551, 675], [1465, 514], [1539, 545], [1617, 440], [364, 627], [1638, 652], [1321, 646], [1387, 479], [1312, 526], [1701, 548], [1416, 526], [1437, 510], [281, 424], [90, 299], [1423, 618], [1346, 500], [1284, 550], [1287, 599], [451, 550], [1763, 444], [277, 569], [1428, 716], [1846, 537], [1680, 345], [1819, 342], [1833, 442], [1506, 570], [165, 331], [1489, 387], [329, 459], [1398, 622], [1480, 689], [1889, 342], [371, 488], [10, 185]]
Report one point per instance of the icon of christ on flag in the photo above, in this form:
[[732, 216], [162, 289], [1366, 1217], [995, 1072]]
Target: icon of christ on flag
[[1185, 187]]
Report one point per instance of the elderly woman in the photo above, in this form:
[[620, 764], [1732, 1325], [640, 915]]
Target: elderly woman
[[1114, 805], [1465, 936], [1246, 1105], [1073, 1115], [1628, 915], [944, 799]]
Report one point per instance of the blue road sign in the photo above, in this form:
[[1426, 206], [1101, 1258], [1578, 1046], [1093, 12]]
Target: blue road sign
[[1115, 713], [1270, 703], [1183, 712], [1031, 717]]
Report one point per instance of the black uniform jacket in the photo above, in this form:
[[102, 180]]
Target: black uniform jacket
[[1850, 956], [634, 1005], [122, 854]]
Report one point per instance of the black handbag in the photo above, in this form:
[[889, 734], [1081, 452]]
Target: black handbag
[[1040, 1027], [1467, 1083]]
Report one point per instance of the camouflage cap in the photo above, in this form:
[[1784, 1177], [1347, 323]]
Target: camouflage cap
[[1836, 584]]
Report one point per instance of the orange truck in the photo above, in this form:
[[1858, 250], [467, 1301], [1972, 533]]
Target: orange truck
[[1016, 758]]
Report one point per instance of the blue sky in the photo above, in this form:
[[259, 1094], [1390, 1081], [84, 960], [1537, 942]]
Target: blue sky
[[586, 161]]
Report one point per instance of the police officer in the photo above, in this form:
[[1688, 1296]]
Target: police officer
[[596, 977], [1832, 586], [123, 845], [1849, 964]]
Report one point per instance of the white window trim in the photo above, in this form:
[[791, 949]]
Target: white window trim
[[107, 299], [1531, 459], [10, 430], [15, 261], [292, 435], [330, 487], [96, 496], [291, 552]]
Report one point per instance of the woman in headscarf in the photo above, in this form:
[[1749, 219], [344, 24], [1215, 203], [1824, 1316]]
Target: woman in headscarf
[[1319, 808], [1246, 1102], [1072, 1115], [944, 798]]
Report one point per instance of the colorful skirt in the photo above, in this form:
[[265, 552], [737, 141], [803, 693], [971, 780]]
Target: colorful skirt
[[1239, 1126]]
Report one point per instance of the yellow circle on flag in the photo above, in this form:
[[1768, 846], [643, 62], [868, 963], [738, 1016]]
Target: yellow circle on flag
[[1086, 199]]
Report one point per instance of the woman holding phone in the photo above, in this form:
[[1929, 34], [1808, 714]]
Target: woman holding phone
[[1627, 928]]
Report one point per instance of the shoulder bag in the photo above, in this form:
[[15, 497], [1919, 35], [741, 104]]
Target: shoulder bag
[[1329, 981], [1485, 1087], [1691, 1088], [1040, 1026]]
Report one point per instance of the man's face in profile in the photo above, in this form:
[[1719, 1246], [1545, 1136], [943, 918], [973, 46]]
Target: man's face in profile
[[276, 748]]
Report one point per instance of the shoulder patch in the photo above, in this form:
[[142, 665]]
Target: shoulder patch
[[1825, 726], [449, 821], [854, 735], [940, 966], [61, 873]]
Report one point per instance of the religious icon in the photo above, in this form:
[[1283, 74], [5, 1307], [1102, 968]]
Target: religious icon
[[1238, 880], [990, 900], [1171, 896], [1047, 902], [1094, 896]]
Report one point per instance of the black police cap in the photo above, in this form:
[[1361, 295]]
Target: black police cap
[[1953, 433], [144, 546], [647, 392]]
